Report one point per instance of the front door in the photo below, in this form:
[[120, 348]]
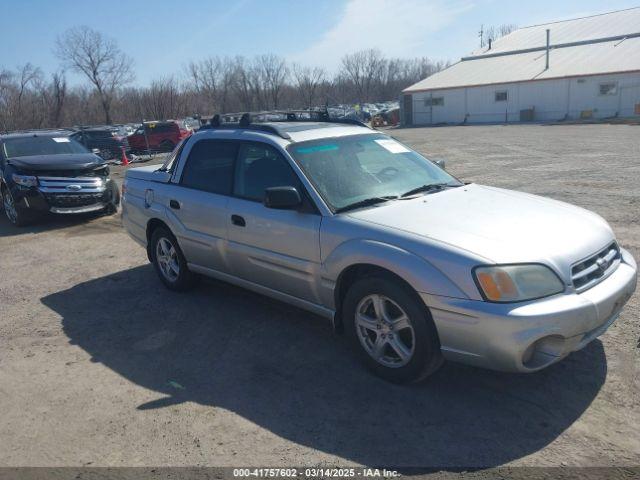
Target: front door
[[278, 249]]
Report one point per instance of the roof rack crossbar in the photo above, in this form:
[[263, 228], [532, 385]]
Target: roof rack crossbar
[[256, 127], [261, 121]]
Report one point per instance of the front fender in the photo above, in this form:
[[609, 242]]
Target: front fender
[[415, 270]]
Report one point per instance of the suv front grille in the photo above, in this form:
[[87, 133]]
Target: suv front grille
[[71, 185], [593, 269]]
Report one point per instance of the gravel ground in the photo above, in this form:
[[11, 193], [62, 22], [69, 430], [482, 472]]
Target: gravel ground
[[101, 366]]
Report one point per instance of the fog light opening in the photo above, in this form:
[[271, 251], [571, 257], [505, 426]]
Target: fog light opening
[[543, 352]]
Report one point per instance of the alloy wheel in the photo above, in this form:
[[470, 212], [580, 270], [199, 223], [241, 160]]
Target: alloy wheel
[[167, 258], [385, 331], [9, 207]]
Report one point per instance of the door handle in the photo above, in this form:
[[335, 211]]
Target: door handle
[[238, 220], [174, 204]]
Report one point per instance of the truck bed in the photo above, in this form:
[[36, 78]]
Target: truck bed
[[148, 173]]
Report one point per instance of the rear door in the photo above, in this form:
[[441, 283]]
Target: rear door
[[278, 249], [198, 206]]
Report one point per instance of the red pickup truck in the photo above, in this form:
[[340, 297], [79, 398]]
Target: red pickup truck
[[157, 136]]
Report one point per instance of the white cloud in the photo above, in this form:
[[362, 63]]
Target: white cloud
[[399, 28]]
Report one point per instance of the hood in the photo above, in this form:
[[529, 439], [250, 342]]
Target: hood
[[500, 225], [67, 161]]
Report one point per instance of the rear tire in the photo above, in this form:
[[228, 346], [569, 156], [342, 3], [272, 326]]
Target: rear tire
[[169, 261], [392, 330]]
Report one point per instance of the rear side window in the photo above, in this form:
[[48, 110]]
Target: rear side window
[[210, 166]]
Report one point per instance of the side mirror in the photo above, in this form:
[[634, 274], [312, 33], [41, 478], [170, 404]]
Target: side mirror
[[439, 161], [283, 198]]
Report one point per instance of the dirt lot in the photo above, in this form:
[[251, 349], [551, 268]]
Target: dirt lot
[[100, 365]]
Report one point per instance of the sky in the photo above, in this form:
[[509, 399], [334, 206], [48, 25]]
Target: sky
[[163, 36]]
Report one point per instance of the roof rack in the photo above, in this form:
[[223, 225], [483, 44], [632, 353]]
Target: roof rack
[[257, 120], [26, 131]]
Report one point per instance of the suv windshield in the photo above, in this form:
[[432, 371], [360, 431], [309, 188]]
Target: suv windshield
[[348, 170], [28, 146]]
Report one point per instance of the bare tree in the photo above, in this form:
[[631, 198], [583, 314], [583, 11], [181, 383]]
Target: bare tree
[[53, 96], [242, 83], [491, 34], [99, 59], [274, 73], [163, 99], [258, 85], [364, 68], [213, 79], [308, 81], [28, 74], [216, 84], [205, 76]]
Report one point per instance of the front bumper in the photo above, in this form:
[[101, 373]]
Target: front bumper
[[528, 336], [39, 200]]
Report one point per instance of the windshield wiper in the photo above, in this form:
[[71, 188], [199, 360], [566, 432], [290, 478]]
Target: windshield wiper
[[366, 202], [432, 187]]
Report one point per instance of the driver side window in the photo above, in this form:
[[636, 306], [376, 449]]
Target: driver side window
[[260, 166]]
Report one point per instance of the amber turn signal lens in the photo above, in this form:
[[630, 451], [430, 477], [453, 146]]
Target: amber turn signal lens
[[489, 287], [497, 285]]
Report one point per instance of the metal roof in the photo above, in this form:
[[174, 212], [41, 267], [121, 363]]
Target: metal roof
[[606, 43]]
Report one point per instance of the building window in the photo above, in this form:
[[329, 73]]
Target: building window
[[501, 96], [434, 102], [609, 88]]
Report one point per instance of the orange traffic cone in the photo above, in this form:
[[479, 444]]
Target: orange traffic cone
[[124, 160]]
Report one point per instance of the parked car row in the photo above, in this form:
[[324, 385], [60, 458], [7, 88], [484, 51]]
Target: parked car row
[[65, 171], [111, 142]]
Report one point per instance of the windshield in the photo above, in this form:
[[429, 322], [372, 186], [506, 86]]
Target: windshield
[[28, 146], [346, 170]]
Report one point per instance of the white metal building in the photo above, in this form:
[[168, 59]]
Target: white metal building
[[589, 68]]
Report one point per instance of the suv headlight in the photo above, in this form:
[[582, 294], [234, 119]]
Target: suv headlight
[[516, 283], [25, 180]]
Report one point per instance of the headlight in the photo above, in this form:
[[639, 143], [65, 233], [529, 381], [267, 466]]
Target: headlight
[[25, 180], [516, 283]]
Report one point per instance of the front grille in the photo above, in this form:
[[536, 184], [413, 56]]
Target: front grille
[[73, 200], [590, 271], [71, 185]]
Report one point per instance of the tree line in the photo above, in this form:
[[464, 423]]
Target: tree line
[[217, 84]]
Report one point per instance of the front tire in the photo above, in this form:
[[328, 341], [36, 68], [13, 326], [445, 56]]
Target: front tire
[[113, 200], [14, 214], [392, 330], [169, 261]]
